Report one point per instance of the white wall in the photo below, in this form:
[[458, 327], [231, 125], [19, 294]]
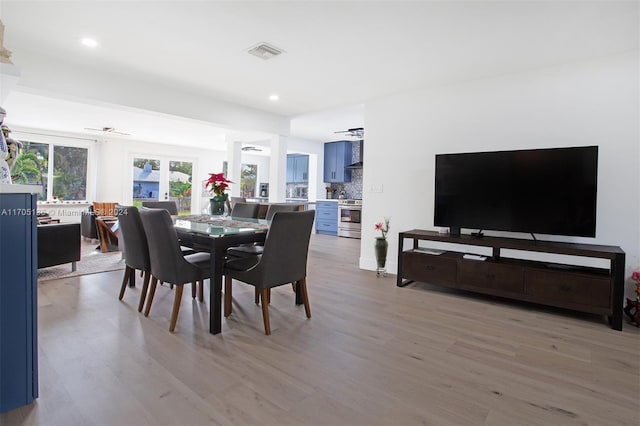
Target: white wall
[[577, 104]]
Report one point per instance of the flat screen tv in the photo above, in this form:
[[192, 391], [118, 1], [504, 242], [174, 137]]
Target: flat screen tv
[[537, 191]]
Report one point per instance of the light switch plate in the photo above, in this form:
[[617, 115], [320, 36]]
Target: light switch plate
[[375, 187]]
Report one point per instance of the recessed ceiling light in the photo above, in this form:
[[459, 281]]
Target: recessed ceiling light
[[274, 97], [89, 42]]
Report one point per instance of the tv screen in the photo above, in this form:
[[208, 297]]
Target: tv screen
[[543, 191]]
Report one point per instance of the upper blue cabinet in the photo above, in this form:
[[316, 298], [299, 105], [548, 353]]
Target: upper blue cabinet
[[297, 168], [337, 155]]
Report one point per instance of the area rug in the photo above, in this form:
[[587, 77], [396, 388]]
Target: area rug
[[92, 261]]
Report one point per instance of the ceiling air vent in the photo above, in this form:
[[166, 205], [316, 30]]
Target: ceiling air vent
[[265, 51]]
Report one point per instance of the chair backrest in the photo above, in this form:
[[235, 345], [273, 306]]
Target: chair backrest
[[234, 200], [104, 209], [284, 258], [274, 208], [167, 262], [248, 210], [169, 206], [134, 238]]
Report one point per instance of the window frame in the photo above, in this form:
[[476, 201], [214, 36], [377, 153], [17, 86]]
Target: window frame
[[62, 141]]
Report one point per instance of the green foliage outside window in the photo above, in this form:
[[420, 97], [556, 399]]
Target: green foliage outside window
[[69, 173], [32, 165]]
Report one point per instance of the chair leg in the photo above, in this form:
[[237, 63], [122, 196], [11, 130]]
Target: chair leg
[[145, 287], [265, 310], [257, 296], [132, 278], [194, 287], [305, 296], [227, 295], [152, 292], [176, 307], [201, 291], [125, 280], [293, 286]]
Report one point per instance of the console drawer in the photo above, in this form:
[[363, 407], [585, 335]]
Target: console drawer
[[559, 288], [429, 268], [488, 275]]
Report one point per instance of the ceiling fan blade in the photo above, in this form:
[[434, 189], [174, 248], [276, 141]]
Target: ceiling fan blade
[[107, 129]]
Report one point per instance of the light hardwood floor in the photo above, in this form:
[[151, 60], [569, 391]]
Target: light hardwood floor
[[372, 354]]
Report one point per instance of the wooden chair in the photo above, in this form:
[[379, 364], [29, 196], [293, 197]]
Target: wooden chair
[[108, 238], [102, 209]]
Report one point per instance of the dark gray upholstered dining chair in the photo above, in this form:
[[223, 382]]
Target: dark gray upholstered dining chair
[[274, 208], [234, 200], [136, 250], [172, 208], [169, 206], [283, 261], [256, 249], [246, 210], [168, 264]]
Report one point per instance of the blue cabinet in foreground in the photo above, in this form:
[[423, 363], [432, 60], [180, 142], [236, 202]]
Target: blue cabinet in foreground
[[18, 300]]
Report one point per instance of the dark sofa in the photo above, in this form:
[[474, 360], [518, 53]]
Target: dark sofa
[[88, 224], [58, 243]]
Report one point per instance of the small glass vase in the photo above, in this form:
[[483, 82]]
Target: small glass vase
[[217, 207], [381, 256]]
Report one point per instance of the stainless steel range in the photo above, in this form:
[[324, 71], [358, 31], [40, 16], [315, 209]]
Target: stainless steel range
[[349, 217]]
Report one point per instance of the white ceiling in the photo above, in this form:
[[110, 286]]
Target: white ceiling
[[339, 55]]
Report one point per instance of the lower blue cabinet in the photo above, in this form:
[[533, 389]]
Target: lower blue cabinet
[[327, 218], [18, 301]]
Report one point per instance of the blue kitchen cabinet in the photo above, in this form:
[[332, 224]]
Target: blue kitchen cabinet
[[291, 164], [18, 299], [337, 155], [327, 217], [297, 168]]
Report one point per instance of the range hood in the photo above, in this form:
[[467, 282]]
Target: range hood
[[357, 164]]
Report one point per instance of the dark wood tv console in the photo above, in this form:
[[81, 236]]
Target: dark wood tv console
[[580, 288]]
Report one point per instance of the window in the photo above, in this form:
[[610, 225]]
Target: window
[[248, 178], [60, 170], [70, 173]]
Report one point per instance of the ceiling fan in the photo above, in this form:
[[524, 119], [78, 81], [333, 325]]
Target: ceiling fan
[[105, 130], [251, 148], [357, 132]]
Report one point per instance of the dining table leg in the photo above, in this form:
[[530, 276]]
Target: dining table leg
[[215, 293]]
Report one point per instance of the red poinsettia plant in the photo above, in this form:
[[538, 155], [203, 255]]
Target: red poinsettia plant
[[218, 184], [636, 277]]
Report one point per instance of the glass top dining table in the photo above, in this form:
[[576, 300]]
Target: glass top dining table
[[215, 234]]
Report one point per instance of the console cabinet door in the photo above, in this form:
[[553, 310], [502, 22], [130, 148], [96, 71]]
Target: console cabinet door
[[429, 268], [497, 278], [569, 289]]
